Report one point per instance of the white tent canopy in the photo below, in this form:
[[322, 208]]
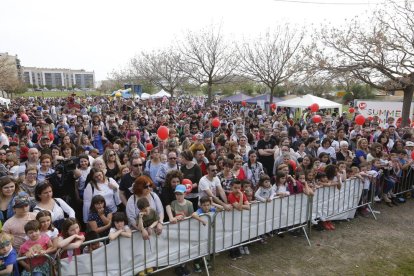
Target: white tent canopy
[[161, 94], [5, 101], [305, 101], [145, 96]]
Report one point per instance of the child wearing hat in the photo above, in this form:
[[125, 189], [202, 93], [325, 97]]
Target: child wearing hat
[[8, 256], [181, 208], [15, 224]]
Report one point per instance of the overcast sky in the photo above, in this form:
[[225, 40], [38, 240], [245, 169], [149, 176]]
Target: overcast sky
[[103, 35]]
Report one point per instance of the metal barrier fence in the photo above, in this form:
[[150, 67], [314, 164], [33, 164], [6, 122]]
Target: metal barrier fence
[[178, 243], [405, 183], [50, 261], [190, 240]]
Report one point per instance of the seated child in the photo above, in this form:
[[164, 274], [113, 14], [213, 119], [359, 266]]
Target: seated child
[[8, 256]]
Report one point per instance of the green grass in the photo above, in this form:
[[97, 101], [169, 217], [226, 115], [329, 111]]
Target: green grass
[[49, 94]]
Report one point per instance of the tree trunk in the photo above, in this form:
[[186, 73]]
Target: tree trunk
[[210, 93], [272, 89], [408, 97]]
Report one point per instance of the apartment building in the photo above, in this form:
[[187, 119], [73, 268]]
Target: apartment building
[[58, 77]]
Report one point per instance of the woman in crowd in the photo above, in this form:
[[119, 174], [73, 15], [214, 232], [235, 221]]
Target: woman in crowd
[[143, 187], [56, 206], [104, 186], [8, 191], [253, 168], [45, 169], [112, 163], [192, 171]]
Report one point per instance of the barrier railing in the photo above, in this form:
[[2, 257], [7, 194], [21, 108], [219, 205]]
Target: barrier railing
[[50, 261], [331, 203], [178, 243], [405, 183], [189, 240]]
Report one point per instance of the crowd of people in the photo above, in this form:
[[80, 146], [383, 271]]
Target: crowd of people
[[77, 169]]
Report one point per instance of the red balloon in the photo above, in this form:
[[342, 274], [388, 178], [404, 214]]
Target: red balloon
[[243, 103], [314, 107], [317, 119], [149, 146], [360, 119], [24, 117], [215, 123], [351, 110], [188, 185], [273, 106], [399, 121], [293, 164], [163, 132]]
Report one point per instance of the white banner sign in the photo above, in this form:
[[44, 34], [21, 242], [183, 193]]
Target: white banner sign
[[383, 110]]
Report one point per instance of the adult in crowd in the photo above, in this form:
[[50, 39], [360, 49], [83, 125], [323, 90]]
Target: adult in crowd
[[56, 206], [8, 191], [143, 187]]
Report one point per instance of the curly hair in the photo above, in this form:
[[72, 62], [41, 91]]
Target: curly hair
[[173, 174]]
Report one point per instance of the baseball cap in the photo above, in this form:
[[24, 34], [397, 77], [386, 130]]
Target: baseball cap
[[180, 189], [21, 200], [409, 144]]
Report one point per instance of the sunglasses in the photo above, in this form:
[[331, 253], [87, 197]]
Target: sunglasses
[[137, 165], [172, 158], [112, 154]]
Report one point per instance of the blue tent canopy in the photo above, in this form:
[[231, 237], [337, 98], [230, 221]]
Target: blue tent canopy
[[265, 98], [235, 98]]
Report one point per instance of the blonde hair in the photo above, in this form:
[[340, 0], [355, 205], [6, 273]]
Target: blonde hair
[[4, 237]]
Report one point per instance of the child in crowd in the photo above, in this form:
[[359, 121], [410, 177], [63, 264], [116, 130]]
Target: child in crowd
[[367, 177], [147, 218], [15, 224], [205, 208], [99, 218], [265, 192], [321, 180], [300, 186], [8, 256], [37, 244], [46, 226], [71, 238], [282, 184], [181, 208], [90, 236], [119, 226], [248, 189], [239, 202]]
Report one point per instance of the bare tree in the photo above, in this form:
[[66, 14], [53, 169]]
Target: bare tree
[[379, 52], [272, 59], [161, 68], [207, 59], [9, 80]]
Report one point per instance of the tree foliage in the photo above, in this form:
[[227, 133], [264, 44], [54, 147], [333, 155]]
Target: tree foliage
[[273, 58], [207, 58], [378, 51]]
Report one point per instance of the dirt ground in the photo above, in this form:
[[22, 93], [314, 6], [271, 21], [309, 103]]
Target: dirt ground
[[362, 246]]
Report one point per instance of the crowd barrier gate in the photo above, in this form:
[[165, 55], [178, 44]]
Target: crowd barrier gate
[[51, 261], [189, 240]]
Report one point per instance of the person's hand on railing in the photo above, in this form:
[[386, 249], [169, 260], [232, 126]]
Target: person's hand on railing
[[145, 234], [173, 220], [158, 228], [227, 207]]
